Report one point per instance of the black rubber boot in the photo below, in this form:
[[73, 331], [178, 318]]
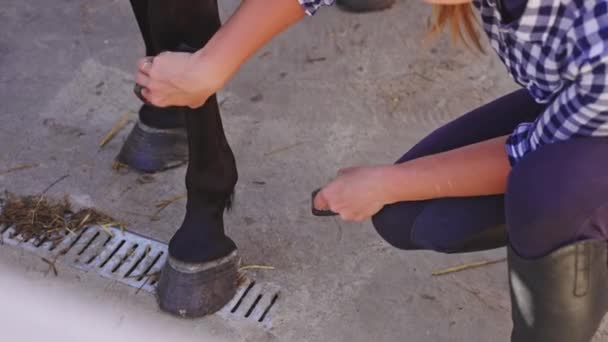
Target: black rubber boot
[[365, 5], [561, 297]]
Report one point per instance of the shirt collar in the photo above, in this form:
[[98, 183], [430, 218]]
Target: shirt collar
[[534, 24]]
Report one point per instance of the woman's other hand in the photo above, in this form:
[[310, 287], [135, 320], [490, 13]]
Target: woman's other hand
[[356, 194]]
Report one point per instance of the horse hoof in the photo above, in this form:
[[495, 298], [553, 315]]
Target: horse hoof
[[151, 150], [365, 5], [192, 290]]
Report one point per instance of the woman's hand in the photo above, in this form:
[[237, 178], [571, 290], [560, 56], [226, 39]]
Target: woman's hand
[[182, 79], [355, 194], [176, 79]]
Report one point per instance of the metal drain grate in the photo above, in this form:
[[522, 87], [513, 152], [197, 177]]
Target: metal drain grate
[[134, 260], [122, 256], [253, 301]]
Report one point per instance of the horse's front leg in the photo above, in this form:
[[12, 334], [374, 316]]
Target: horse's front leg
[[200, 274]]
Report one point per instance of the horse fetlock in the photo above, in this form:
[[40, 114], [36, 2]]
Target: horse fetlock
[[162, 118], [200, 240]]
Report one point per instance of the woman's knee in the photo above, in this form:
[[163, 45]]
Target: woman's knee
[[394, 224], [409, 226], [448, 225]]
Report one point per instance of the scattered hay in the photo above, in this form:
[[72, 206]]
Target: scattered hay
[[282, 149], [120, 168], [463, 267], [160, 206], [52, 266], [18, 168], [256, 267], [48, 220], [117, 127], [149, 278], [241, 279]]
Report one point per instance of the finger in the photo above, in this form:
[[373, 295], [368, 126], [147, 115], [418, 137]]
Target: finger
[[345, 171], [142, 79], [320, 202], [138, 92], [359, 218], [154, 99], [346, 217], [145, 93], [197, 104], [144, 64]]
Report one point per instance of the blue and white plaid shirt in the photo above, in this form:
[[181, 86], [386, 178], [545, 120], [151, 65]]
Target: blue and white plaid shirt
[[558, 50]]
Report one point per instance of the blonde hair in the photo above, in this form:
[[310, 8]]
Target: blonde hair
[[461, 21]]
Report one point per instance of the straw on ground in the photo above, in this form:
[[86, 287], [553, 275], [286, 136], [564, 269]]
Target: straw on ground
[[117, 127], [160, 206], [256, 267], [18, 168], [48, 220], [467, 266]]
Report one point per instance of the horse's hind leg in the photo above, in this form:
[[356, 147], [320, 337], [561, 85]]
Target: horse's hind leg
[[200, 274]]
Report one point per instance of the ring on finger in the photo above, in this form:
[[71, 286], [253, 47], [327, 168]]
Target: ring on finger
[[148, 61], [137, 89]]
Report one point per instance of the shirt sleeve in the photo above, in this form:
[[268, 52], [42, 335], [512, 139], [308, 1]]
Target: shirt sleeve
[[579, 110], [311, 6]]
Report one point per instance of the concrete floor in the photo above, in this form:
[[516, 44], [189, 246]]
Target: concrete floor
[[335, 90]]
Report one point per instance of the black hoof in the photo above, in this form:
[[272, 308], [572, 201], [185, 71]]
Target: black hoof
[[197, 289], [150, 149], [365, 5]]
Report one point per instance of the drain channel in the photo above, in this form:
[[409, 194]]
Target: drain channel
[[136, 260], [126, 257], [253, 301]]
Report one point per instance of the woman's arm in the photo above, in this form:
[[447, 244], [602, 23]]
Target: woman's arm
[[183, 79], [474, 170], [252, 25]]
